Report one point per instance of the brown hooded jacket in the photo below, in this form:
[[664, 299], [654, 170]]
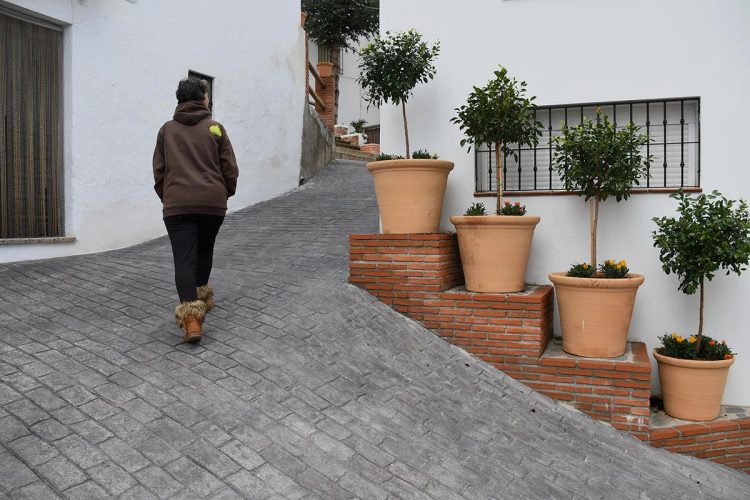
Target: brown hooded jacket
[[195, 170]]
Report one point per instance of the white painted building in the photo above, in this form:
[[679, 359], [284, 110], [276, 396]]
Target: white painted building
[[352, 105], [121, 61], [588, 51]]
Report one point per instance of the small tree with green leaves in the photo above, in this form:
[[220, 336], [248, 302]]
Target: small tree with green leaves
[[499, 114], [598, 161], [391, 66], [711, 234], [341, 23]]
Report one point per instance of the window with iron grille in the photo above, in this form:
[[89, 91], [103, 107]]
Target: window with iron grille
[[672, 125], [31, 166]]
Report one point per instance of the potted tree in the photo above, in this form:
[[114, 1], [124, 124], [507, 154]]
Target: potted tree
[[598, 162], [711, 234], [409, 191], [495, 248]]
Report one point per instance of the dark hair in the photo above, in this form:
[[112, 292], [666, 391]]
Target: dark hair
[[191, 89]]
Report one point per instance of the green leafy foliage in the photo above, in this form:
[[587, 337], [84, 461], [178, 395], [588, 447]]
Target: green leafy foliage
[[386, 156], [677, 346], [499, 113], [358, 125], [512, 209], [392, 65], [598, 161], [341, 23], [614, 269], [476, 209], [423, 154], [582, 270], [712, 233]]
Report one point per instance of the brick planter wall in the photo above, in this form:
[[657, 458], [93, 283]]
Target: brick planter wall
[[724, 441], [420, 276]]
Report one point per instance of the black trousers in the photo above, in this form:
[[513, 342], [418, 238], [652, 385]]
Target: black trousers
[[192, 237]]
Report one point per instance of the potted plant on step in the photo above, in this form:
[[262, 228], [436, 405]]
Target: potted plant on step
[[711, 234], [596, 304], [495, 248], [409, 191]]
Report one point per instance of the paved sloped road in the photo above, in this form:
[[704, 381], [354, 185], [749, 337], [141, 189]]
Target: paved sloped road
[[304, 387]]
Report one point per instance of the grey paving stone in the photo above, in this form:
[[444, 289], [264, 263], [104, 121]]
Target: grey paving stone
[[157, 450], [36, 491], [79, 451], [46, 399], [13, 472], [141, 410], [87, 491], [158, 481], [98, 409], [172, 432], [7, 394], [211, 459], [32, 450], [76, 395], [91, 431], [112, 478], [26, 411], [126, 456], [61, 473], [194, 476], [11, 428], [243, 455], [138, 493]]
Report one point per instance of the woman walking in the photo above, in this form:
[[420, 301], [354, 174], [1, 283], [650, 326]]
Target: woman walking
[[195, 172]]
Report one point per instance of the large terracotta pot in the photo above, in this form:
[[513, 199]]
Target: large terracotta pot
[[410, 193], [595, 313], [692, 389], [494, 250]]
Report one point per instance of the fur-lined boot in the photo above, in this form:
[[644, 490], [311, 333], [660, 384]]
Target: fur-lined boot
[[189, 317], [206, 294]]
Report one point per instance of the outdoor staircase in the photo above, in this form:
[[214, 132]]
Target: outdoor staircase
[[420, 276], [348, 151]]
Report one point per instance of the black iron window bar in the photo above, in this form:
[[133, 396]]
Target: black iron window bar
[[672, 125]]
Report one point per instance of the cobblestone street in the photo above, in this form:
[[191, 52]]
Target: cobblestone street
[[303, 387]]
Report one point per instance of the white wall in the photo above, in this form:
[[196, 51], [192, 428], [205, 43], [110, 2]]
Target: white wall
[[585, 51], [122, 64]]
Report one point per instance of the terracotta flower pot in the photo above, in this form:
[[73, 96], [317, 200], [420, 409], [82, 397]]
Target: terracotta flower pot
[[325, 69], [410, 193], [595, 313], [692, 389], [494, 250]]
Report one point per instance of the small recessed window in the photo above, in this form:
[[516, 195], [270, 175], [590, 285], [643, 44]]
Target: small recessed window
[[210, 82]]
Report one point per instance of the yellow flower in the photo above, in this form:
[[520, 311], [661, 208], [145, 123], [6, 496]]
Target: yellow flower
[[618, 266], [679, 339], [674, 335], [215, 130], [693, 339], [585, 266], [623, 263]]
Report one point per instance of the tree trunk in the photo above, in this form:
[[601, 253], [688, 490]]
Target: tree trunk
[[499, 173], [700, 322], [594, 216], [406, 126]]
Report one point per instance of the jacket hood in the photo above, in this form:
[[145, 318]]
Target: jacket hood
[[191, 112]]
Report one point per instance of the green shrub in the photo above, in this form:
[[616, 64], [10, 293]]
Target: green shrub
[[614, 269], [386, 156], [512, 209], [423, 154], [582, 270], [676, 346], [476, 209]]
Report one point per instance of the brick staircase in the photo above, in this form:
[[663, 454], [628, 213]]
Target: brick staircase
[[420, 276]]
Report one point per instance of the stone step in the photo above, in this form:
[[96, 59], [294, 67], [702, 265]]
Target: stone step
[[352, 154]]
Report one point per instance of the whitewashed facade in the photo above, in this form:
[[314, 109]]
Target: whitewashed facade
[[583, 51], [122, 60]]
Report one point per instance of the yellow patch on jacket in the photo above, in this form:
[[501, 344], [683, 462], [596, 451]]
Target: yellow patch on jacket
[[215, 130]]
